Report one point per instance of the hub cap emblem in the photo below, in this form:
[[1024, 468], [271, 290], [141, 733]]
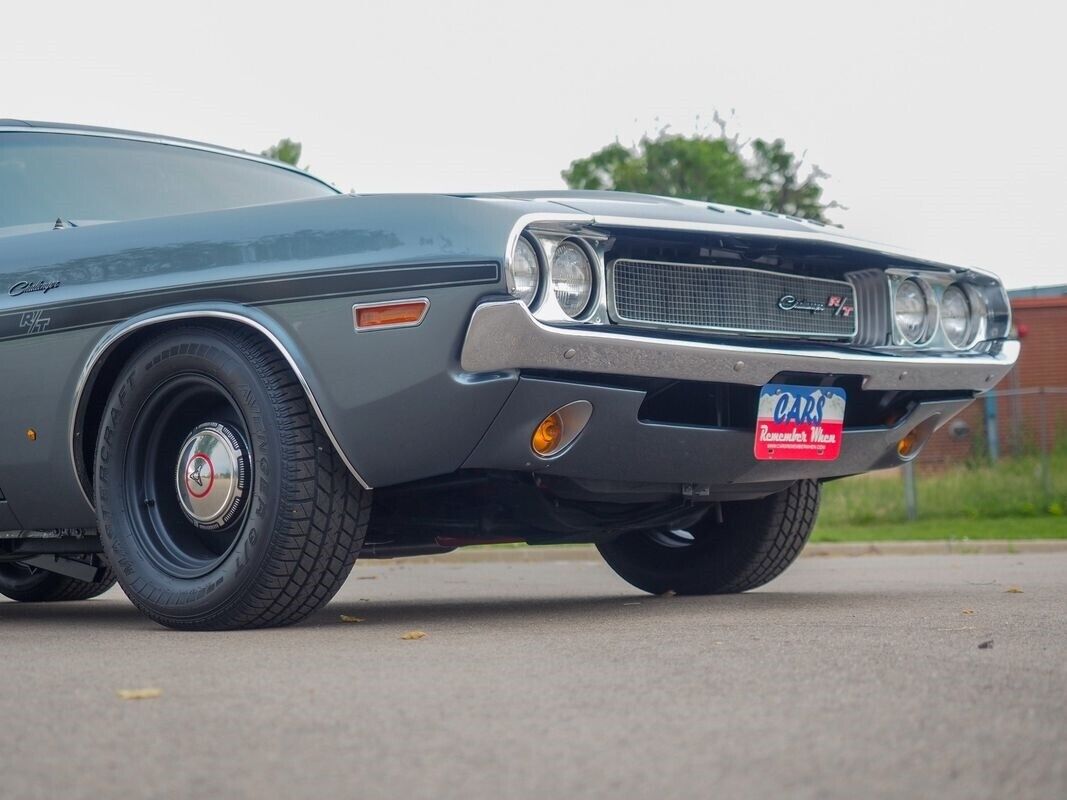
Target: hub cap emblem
[[201, 476], [213, 474]]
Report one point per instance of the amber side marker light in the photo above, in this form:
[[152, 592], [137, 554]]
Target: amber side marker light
[[393, 314], [556, 432]]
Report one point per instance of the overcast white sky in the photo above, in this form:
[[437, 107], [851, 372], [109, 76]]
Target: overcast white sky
[[942, 123]]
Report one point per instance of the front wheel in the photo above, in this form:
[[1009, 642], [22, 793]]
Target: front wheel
[[752, 543], [221, 501]]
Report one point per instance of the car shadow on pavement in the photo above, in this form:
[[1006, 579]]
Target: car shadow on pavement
[[488, 610], [114, 611]]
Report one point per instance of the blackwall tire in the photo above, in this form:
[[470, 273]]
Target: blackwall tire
[[30, 585], [754, 543], [221, 502]]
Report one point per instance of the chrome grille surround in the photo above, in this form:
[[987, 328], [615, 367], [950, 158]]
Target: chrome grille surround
[[674, 296]]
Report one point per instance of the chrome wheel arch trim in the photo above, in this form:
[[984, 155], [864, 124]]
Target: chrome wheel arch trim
[[117, 334]]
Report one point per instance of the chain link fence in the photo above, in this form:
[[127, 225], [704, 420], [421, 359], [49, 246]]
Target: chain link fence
[[1005, 431], [1004, 457]]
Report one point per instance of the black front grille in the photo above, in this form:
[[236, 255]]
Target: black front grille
[[735, 299]]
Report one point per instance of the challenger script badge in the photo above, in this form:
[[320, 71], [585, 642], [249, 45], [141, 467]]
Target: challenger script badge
[[835, 304], [26, 287]]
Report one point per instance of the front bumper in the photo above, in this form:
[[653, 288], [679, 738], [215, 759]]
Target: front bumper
[[506, 336], [619, 447]]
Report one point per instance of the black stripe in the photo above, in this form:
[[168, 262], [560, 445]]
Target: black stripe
[[90, 313]]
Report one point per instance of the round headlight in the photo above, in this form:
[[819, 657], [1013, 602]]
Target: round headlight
[[912, 311], [956, 317], [523, 272], [572, 278]]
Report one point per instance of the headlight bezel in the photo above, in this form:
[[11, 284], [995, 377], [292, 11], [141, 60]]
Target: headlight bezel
[[931, 311], [590, 258], [990, 310], [546, 307], [539, 269], [974, 318]]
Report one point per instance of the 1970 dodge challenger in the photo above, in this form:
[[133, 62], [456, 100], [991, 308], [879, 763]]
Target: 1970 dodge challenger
[[222, 380]]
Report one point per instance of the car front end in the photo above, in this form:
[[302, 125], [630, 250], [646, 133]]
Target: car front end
[[674, 357]]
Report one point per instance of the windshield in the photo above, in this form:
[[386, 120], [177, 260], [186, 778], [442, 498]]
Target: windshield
[[49, 176]]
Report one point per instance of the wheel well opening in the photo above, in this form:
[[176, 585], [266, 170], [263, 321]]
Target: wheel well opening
[[90, 412]]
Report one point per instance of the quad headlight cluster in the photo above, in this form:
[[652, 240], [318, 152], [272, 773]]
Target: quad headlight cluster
[[940, 310], [556, 274]]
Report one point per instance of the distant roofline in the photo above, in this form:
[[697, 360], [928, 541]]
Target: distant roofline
[[94, 130], [66, 126], [1058, 290]]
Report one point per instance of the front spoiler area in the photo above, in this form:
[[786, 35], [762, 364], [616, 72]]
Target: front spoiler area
[[506, 336], [619, 447]]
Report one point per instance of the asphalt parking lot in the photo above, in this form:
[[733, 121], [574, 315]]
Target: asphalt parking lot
[[847, 677]]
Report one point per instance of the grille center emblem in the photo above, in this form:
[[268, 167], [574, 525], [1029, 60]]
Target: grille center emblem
[[835, 304]]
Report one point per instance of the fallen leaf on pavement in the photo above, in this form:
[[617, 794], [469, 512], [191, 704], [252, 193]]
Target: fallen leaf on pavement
[[968, 611], [139, 694], [346, 618], [1013, 590], [986, 645], [412, 635]]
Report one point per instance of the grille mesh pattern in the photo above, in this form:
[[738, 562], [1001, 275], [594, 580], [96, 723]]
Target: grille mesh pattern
[[728, 298]]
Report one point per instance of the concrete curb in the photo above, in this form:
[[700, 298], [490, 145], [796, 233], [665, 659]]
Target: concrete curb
[[548, 553], [937, 547]]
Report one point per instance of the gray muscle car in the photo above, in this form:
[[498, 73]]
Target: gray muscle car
[[223, 380]]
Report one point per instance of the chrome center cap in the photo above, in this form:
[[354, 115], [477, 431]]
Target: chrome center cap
[[212, 476]]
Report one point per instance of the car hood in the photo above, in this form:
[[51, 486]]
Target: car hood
[[617, 208], [602, 204]]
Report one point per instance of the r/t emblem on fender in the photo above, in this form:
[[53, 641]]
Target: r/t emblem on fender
[[34, 322]]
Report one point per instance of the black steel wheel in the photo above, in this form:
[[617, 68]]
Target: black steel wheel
[[28, 584], [187, 474], [220, 499], [750, 544]]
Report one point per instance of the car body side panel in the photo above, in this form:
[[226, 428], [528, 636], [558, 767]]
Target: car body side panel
[[297, 268], [39, 375], [404, 410]]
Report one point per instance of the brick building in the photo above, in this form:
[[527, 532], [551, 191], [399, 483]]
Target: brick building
[[1017, 415]]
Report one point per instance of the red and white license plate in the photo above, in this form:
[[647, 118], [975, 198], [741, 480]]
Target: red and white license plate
[[799, 423]]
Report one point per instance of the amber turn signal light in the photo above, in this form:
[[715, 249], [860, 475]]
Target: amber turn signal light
[[558, 430], [907, 446], [910, 445], [548, 434], [399, 314]]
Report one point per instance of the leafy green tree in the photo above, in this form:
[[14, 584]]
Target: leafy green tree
[[719, 169], [286, 150]]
